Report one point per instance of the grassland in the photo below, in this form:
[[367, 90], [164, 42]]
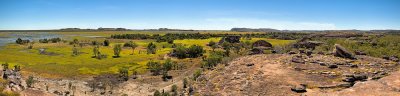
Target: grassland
[[61, 63]]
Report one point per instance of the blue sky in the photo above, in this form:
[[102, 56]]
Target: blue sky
[[201, 14]]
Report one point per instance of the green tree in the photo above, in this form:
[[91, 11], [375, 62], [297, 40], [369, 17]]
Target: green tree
[[213, 59], [18, 41], [180, 52], [174, 90], [17, 68], [227, 47], [151, 48], [131, 44], [213, 47], [154, 67], [117, 50], [195, 51], [75, 51], [211, 43], [75, 41], [168, 64], [106, 42], [96, 51], [170, 41], [5, 66]]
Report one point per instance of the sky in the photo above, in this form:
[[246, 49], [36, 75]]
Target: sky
[[200, 14]]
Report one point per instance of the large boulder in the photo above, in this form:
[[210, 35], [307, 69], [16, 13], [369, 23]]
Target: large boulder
[[261, 44], [340, 51]]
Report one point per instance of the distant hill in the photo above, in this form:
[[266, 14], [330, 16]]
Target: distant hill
[[254, 30]]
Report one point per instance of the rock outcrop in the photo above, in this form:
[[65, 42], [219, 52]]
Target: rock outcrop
[[14, 77], [261, 44], [340, 51]]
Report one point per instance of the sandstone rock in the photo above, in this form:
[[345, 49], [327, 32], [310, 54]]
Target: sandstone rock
[[300, 88], [322, 63], [297, 59], [349, 79], [291, 52], [348, 75], [361, 77], [302, 51], [250, 64], [346, 85], [262, 43], [354, 66], [340, 51], [394, 58], [376, 77], [332, 66], [385, 57], [309, 52]]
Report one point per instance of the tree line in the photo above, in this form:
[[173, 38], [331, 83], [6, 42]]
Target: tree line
[[179, 36]]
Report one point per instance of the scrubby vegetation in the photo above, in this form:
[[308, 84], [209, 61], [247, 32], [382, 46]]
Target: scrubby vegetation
[[20, 41], [51, 40], [193, 51], [169, 37], [376, 46]]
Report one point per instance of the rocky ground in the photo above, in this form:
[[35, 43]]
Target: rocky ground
[[295, 73], [299, 74]]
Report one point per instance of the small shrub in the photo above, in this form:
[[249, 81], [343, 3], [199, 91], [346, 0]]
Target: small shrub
[[123, 73], [185, 82], [157, 93], [5, 66], [30, 81], [196, 74], [75, 51]]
